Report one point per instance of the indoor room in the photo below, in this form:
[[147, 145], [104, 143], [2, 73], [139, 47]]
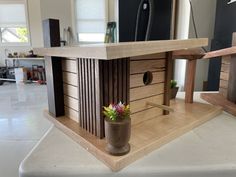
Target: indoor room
[[117, 88]]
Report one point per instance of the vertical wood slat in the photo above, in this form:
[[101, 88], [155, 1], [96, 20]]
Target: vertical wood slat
[[168, 75], [101, 83]]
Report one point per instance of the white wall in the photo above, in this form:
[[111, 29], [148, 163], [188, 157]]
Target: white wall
[[182, 31], [39, 10], [204, 13], [58, 9], [34, 20]]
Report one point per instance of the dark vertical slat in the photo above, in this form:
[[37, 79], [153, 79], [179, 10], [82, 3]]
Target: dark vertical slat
[[124, 88], [84, 94], [105, 83], [168, 75], [128, 80], [80, 84], [90, 96], [110, 81], [93, 99], [115, 81], [120, 80], [98, 80], [53, 66], [86, 101], [101, 131]]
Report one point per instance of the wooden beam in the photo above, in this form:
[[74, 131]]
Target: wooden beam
[[168, 77], [220, 53], [166, 108], [189, 54], [189, 80]]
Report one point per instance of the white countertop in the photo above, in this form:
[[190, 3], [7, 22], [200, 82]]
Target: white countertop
[[206, 151]]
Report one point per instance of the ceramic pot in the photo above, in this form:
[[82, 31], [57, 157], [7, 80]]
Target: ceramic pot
[[117, 136], [173, 92]]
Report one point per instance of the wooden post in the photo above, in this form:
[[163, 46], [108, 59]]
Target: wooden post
[[232, 75], [53, 65], [100, 84], [168, 76], [189, 80]]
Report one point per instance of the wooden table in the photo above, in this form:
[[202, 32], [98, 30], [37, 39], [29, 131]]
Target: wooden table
[[206, 151]]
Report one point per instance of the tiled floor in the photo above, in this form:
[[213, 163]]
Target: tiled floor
[[22, 123]]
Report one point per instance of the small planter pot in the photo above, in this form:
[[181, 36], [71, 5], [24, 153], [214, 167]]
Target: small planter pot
[[118, 136], [173, 92]]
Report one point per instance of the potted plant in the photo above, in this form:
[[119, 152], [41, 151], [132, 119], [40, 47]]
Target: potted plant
[[117, 128], [173, 89]]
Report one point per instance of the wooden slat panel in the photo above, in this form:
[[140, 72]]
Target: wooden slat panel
[[146, 91], [137, 79], [69, 65], [145, 115], [232, 80], [224, 76], [72, 114], [151, 56], [140, 105], [225, 68], [224, 84], [70, 78], [70, 90], [226, 59], [224, 92], [146, 65], [71, 102]]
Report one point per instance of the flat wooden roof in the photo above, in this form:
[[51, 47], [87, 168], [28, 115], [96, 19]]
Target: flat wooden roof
[[122, 49]]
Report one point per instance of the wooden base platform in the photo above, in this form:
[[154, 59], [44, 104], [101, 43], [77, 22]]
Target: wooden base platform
[[219, 100], [146, 136]]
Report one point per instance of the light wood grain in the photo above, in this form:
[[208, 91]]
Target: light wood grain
[[220, 53], [189, 80], [190, 54], [140, 105], [70, 78], [160, 106], [146, 136], [121, 50], [72, 114], [224, 84], [146, 91], [136, 80], [143, 66], [225, 68], [71, 102], [70, 90], [223, 91], [226, 59], [151, 113], [151, 56], [219, 100], [69, 65], [224, 76]]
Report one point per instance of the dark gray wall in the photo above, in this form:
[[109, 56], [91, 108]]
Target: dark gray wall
[[127, 19], [225, 25]]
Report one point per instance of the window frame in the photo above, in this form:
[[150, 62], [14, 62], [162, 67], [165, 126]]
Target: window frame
[[12, 44], [76, 23]]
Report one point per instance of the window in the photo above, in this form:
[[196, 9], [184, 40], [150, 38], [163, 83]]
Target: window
[[91, 19], [13, 23]]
